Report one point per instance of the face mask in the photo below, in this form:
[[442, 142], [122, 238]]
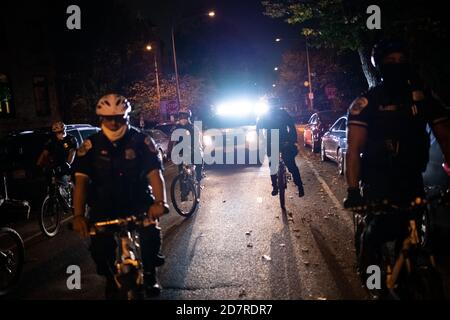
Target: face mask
[[114, 135], [396, 74]]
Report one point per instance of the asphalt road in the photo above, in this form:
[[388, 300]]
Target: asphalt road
[[238, 245]]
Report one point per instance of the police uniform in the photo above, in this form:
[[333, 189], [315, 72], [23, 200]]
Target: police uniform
[[281, 120], [397, 148], [191, 130], [394, 157], [59, 149], [119, 187]]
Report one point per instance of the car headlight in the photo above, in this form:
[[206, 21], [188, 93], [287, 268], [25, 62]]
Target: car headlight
[[207, 140], [251, 136]]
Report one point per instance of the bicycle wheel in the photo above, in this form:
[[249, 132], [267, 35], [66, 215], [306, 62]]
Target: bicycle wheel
[[50, 216], [11, 259], [282, 185], [184, 196]]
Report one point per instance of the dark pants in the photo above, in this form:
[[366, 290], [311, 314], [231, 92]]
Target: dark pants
[[289, 153], [103, 251]]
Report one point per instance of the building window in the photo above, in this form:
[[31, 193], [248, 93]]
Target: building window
[[6, 103], [41, 97]]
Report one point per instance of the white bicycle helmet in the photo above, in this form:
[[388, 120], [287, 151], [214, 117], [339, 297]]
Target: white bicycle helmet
[[58, 126], [113, 105]]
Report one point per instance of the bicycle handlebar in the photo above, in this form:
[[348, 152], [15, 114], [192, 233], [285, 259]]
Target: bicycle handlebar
[[441, 197]]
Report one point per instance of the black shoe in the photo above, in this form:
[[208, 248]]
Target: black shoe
[[274, 191], [152, 287], [301, 192]]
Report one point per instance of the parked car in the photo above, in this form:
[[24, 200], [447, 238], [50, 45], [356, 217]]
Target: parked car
[[434, 174], [301, 122], [81, 131], [19, 152], [334, 144], [317, 125], [166, 127], [162, 141]]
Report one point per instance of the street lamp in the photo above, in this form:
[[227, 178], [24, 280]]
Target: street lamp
[[210, 14], [275, 69], [158, 92]]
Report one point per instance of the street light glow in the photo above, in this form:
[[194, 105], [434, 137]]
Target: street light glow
[[211, 14], [277, 39], [274, 85], [276, 68], [148, 47]]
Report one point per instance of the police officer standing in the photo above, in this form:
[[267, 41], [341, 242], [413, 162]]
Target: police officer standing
[[387, 125], [114, 170]]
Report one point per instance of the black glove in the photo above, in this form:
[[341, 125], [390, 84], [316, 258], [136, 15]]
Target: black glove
[[353, 199]]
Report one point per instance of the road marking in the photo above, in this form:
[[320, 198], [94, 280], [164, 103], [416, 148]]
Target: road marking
[[337, 203]]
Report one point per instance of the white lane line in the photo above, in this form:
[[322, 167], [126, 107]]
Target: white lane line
[[40, 233], [344, 214]]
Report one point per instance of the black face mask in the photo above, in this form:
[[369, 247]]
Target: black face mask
[[396, 74]]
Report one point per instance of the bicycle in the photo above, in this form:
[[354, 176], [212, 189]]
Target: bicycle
[[283, 177], [408, 265], [129, 275], [185, 191], [12, 255], [57, 202], [12, 251]]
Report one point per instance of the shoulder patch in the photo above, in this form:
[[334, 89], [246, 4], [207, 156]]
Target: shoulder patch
[[418, 95], [358, 105], [85, 147], [151, 144]]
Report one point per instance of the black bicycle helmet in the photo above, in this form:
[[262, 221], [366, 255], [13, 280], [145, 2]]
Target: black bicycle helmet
[[385, 47], [185, 114]]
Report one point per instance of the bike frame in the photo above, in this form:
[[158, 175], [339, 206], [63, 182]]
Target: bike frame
[[411, 243], [128, 252]]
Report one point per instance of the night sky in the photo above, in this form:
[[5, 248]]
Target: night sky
[[236, 50]]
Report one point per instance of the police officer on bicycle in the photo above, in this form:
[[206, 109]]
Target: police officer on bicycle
[[195, 145], [59, 152], [118, 173], [278, 118], [387, 125]]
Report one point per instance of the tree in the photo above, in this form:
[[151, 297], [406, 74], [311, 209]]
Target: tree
[[341, 24], [194, 94], [327, 69]]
